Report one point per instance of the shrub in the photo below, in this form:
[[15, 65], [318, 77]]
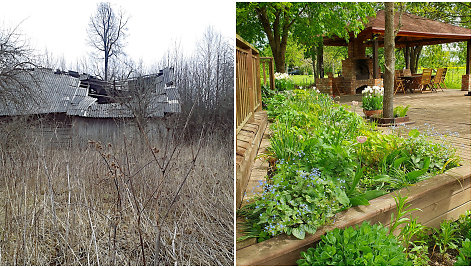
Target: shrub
[[283, 82], [365, 245]]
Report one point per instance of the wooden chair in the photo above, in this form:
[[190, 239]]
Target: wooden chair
[[406, 72], [443, 78], [426, 80], [399, 83], [437, 80]]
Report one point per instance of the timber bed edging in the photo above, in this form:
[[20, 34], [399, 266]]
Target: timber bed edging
[[285, 250], [250, 138]]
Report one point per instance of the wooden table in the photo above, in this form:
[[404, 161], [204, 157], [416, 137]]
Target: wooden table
[[413, 81]]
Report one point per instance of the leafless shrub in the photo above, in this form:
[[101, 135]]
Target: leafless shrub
[[15, 62]]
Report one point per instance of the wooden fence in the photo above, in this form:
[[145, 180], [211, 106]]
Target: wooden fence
[[248, 83]]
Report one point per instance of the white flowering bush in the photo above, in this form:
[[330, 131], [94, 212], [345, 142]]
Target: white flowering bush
[[280, 76], [372, 98], [283, 82]]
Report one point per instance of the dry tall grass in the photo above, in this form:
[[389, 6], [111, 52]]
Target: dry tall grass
[[104, 204]]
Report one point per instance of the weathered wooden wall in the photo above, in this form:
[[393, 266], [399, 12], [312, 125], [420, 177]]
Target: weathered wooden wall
[[66, 131]]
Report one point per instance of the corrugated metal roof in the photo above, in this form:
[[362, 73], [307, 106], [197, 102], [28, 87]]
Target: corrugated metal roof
[[60, 93], [172, 93]]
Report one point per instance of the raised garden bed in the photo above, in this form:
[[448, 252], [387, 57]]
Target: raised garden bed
[[444, 196]]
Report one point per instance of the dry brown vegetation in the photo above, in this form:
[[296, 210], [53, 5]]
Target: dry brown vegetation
[[106, 203]]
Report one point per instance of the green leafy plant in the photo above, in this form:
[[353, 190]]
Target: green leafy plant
[[400, 111], [295, 202], [446, 236], [414, 237], [312, 132], [401, 210], [372, 98], [463, 226], [365, 245], [464, 254]]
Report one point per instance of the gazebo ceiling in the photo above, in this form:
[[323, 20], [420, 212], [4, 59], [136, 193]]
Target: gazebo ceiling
[[414, 30]]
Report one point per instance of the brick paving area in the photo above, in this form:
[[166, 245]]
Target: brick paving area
[[442, 112]]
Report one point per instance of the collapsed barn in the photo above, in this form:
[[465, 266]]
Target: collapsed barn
[[69, 104]]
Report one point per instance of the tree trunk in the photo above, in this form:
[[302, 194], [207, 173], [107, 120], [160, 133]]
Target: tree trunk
[[106, 67], [313, 59], [389, 61], [414, 57], [319, 61], [277, 34], [279, 59]]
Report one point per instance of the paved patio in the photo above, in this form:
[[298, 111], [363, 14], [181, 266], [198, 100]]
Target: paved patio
[[446, 112]]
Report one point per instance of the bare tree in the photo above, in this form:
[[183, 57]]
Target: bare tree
[[106, 33]]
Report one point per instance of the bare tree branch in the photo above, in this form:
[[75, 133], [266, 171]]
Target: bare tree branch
[[106, 32]]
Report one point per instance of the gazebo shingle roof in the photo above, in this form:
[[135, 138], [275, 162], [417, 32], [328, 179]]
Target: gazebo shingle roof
[[414, 30]]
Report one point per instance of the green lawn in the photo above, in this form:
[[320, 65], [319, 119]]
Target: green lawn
[[302, 80], [453, 78]]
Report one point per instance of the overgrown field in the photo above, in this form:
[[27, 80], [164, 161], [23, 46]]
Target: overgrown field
[[108, 203]]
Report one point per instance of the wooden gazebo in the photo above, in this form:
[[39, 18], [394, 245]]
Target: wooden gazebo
[[359, 70]]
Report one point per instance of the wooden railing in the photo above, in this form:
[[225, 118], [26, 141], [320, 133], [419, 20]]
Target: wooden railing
[[270, 62], [248, 83]]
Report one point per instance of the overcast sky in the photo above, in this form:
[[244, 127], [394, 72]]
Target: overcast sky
[[60, 26]]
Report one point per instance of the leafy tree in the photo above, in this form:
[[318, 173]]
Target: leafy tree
[[274, 20], [309, 22], [294, 55], [330, 19]]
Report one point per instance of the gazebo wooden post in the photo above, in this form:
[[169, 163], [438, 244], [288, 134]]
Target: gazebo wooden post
[[467, 67], [376, 57], [407, 56], [466, 77]]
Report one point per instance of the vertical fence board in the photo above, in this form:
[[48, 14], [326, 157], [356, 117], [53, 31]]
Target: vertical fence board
[[248, 83]]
